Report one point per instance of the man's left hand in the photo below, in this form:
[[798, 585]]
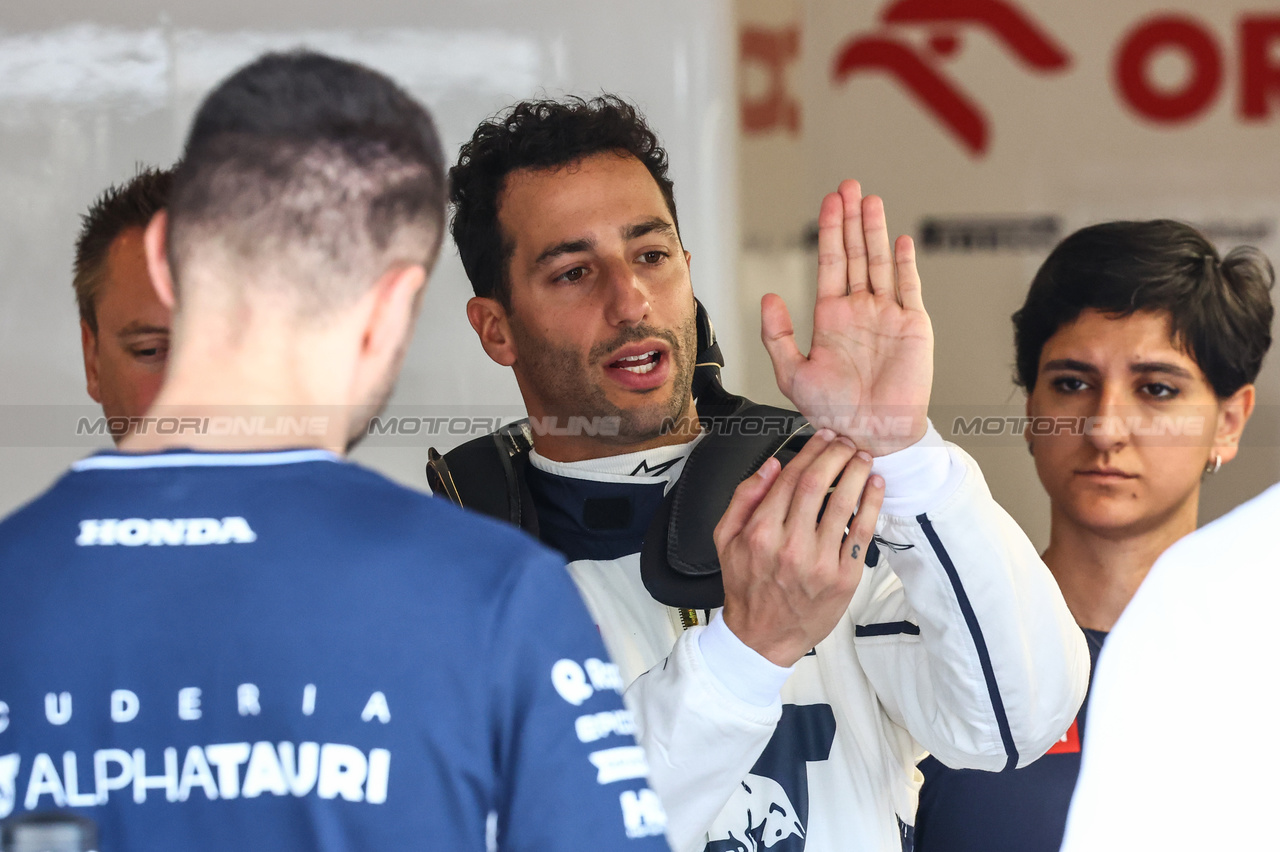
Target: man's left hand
[[869, 372]]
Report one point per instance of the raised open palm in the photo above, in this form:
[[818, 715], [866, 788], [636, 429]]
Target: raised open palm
[[869, 372]]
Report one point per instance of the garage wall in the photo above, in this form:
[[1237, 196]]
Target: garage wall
[[90, 90]]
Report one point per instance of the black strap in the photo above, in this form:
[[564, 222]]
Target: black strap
[[679, 563], [486, 475]]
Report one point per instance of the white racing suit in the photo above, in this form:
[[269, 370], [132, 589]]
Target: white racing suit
[[957, 642]]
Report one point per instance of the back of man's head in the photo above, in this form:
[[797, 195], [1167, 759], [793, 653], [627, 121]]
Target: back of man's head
[[304, 178]]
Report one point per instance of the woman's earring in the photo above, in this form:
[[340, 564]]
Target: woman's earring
[[1211, 468]]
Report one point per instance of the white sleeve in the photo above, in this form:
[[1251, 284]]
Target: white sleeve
[[700, 737], [966, 640]]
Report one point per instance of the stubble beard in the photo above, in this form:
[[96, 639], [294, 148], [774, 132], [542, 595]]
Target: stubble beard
[[563, 380]]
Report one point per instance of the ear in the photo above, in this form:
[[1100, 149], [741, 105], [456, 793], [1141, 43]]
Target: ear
[[89, 345], [394, 301], [688, 260], [155, 241], [493, 327], [1233, 414]]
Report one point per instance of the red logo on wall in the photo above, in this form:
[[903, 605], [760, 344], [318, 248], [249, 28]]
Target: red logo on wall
[[1258, 68], [772, 50], [917, 69]]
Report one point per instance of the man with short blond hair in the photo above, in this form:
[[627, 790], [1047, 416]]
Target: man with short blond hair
[[124, 329]]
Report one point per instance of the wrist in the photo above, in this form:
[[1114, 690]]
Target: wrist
[[778, 651], [880, 436], [741, 669]]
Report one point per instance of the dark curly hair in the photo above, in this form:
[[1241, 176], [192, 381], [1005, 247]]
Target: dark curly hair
[[1220, 308], [541, 134]]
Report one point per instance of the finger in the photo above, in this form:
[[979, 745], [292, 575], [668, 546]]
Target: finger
[[854, 552], [778, 501], [855, 243], [909, 295], [831, 254], [879, 257], [844, 500], [813, 484], [779, 338], [746, 498]]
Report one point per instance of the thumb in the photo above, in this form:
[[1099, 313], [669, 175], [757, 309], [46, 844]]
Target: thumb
[[746, 498], [779, 338]]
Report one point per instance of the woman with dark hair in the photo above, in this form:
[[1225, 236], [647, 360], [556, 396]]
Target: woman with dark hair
[[1137, 347]]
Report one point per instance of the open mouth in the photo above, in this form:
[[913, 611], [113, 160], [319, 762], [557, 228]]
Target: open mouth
[[640, 367], [639, 364]]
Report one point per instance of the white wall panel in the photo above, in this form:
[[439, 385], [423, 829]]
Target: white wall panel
[[88, 90]]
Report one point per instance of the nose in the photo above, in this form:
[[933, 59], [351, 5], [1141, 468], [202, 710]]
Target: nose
[[1108, 428], [626, 297]]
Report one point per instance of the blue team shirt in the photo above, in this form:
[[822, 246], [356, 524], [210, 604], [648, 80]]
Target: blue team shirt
[[284, 651], [1022, 810]]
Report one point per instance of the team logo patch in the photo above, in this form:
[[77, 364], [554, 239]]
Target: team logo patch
[[133, 532], [770, 816], [770, 808], [1070, 742]]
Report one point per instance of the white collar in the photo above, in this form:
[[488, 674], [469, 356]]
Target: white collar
[[665, 463], [183, 458]]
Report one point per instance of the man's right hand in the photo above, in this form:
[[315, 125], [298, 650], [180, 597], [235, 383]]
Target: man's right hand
[[788, 577]]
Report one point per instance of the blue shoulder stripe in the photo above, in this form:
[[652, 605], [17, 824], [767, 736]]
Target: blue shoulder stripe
[[980, 643]]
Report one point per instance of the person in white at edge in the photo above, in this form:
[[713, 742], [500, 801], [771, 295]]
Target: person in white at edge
[[565, 221], [1181, 740]]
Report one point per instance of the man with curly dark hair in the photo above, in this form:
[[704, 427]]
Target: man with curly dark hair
[[610, 132], [784, 678]]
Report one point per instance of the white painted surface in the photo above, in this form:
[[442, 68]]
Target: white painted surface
[[87, 90]]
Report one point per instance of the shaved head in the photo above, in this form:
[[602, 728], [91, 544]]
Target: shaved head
[[305, 178]]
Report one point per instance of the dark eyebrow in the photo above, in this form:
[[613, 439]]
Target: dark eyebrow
[[1137, 368], [134, 329], [1160, 367], [1069, 364], [654, 225], [566, 247], [648, 226]]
